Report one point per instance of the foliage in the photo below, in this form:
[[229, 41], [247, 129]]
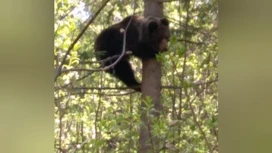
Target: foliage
[[95, 112]]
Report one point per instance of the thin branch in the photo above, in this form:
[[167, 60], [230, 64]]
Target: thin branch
[[81, 78], [124, 45], [196, 122], [81, 69], [61, 17], [186, 48], [106, 59], [191, 42], [81, 145], [150, 133], [59, 68], [166, 1], [123, 94], [61, 115], [67, 13], [93, 70], [99, 88], [124, 88], [96, 127]]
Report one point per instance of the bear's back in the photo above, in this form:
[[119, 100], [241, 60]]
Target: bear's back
[[110, 41]]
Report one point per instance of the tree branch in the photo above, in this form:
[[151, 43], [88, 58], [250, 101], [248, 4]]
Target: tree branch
[[124, 41], [59, 68]]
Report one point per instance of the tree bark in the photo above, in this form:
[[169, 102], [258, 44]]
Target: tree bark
[[151, 87]]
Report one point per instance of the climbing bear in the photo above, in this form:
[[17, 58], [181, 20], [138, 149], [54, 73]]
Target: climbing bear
[[145, 37]]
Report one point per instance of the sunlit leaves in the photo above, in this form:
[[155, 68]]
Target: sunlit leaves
[[87, 107]]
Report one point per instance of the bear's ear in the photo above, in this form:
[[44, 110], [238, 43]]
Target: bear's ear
[[164, 21], [152, 26]]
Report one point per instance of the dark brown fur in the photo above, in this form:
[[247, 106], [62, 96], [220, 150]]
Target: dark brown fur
[[145, 38]]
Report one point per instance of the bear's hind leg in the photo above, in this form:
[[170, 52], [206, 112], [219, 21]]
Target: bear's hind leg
[[123, 71]]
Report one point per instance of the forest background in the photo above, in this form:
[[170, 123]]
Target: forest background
[[95, 112]]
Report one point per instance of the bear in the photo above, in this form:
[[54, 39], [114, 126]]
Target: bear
[[145, 37]]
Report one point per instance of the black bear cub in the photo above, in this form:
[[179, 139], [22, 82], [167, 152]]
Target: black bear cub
[[145, 37]]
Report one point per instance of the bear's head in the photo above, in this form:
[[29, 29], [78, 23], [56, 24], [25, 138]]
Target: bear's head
[[155, 33]]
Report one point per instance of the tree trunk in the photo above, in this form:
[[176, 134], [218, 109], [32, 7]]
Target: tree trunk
[[151, 86]]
